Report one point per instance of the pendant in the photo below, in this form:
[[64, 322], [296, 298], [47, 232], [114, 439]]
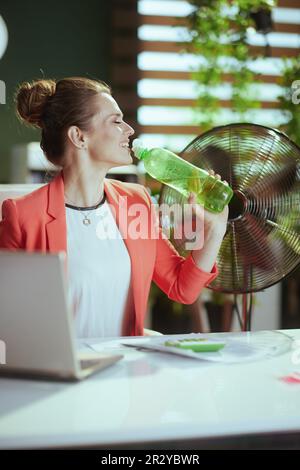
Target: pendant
[[86, 221]]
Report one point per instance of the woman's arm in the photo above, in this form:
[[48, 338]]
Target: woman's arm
[[206, 257], [182, 279], [214, 228]]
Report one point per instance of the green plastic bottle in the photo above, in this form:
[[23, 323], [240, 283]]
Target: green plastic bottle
[[181, 175]]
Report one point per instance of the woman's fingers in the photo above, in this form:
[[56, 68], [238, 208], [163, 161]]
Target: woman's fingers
[[212, 173], [192, 197]]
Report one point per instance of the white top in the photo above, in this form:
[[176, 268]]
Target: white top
[[99, 273]]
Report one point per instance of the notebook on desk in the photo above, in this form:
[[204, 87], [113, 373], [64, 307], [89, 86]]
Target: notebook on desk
[[37, 330]]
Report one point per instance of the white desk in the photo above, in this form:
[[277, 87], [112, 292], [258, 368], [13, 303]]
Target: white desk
[[149, 396]]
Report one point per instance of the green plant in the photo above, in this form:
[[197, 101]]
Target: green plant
[[218, 31], [290, 107]]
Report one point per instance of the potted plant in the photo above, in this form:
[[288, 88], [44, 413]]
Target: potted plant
[[167, 316], [222, 42], [219, 309]]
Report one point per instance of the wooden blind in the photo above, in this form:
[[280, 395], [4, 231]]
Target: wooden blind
[[175, 48], [124, 52]]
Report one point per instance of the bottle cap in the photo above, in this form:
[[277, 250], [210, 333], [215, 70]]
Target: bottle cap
[[138, 148]]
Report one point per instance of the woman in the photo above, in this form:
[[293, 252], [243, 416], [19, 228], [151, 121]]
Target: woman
[[84, 133]]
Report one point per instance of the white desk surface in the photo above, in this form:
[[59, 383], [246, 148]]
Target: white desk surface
[[150, 396]]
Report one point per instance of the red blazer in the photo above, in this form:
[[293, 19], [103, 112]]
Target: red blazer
[[37, 222]]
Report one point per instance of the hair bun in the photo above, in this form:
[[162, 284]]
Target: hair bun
[[31, 99]]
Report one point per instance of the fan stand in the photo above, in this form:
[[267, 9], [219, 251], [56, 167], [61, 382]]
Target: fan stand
[[246, 317], [236, 211], [247, 311]]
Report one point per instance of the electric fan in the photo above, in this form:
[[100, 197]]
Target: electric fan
[[262, 242]]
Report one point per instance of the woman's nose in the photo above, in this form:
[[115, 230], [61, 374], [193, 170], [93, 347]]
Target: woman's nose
[[129, 130]]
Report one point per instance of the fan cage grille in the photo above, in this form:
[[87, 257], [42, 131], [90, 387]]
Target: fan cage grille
[[262, 242]]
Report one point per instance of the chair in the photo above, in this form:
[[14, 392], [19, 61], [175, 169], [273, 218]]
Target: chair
[[15, 190]]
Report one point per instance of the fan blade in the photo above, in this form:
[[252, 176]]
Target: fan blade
[[253, 243], [220, 161], [281, 182], [228, 262], [287, 228]]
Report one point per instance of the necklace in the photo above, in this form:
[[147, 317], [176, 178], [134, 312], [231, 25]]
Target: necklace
[[86, 220]]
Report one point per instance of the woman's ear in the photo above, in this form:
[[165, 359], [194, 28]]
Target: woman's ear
[[76, 136]]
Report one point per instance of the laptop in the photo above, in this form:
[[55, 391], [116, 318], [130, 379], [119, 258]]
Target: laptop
[[37, 331]]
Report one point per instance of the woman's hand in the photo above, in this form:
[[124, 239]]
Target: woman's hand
[[214, 225]]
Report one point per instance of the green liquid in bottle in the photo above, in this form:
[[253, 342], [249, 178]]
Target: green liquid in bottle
[[181, 175]]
